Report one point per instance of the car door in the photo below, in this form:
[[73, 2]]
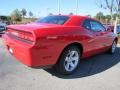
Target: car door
[[89, 45], [101, 35]]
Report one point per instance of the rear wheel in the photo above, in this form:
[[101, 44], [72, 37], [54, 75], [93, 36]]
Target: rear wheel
[[113, 47], [69, 60]]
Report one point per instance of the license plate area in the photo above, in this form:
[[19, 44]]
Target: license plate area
[[10, 50]]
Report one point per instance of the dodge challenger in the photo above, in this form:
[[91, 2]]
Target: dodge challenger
[[59, 40]]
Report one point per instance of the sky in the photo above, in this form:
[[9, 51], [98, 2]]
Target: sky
[[43, 7]]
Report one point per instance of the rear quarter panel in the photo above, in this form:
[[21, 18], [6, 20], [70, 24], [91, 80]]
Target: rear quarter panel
[[52, 41]]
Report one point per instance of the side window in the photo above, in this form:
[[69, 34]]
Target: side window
[[86, 24], [96, 26]]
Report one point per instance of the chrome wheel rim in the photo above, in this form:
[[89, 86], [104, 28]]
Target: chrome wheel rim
[[71, 60], [113, 47]]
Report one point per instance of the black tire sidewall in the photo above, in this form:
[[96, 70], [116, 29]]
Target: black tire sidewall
[[61, 67], [110, 51]]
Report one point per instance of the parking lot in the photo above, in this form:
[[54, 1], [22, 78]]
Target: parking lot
[[101, 72]]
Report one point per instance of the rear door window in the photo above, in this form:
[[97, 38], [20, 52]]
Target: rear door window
[[96, 26], [87, 25]]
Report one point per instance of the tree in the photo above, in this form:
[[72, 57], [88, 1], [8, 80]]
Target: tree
[[23, 12], [111, 5], [99, 16], [116, 15], [16, 15], [116, 6], [108, 18], [30, 14], [4, 18]]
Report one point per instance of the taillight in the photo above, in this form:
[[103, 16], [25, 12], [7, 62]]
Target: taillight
[[21, 34], [28, 36]]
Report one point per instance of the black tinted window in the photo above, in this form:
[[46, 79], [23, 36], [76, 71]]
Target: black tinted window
[[87, 24], [54, 19], [96, 26]]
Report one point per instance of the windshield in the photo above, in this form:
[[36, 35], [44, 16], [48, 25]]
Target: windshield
[[53, 19]]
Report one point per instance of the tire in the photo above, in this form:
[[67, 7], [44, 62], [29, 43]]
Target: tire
[[113, 47], [68, 61]]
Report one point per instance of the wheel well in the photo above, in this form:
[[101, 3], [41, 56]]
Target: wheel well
[[72, 44], [116, 40], [80, 47]]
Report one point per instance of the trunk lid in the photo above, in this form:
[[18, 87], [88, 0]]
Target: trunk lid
[[32, 26]]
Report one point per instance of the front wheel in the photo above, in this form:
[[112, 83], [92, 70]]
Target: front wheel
[[113, 48], [69, 60]]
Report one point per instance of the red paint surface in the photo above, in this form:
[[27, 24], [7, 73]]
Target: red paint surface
[[49, 40]]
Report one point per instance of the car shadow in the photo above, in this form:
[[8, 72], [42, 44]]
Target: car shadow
[[91, 66]]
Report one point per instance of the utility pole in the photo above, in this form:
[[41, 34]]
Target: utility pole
[[58, 6], [47, 11], [76, 7], [118, 12]]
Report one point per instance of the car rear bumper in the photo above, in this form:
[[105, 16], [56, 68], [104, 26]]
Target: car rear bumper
[[27, 54], [20, 52]]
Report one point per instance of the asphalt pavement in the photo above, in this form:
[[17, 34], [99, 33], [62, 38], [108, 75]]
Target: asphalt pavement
[[100, 72]]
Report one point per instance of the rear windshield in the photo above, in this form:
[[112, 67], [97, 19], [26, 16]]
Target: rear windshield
[[53, 19]]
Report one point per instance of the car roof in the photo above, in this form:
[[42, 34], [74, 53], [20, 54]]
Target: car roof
[[75, 16], [75, 20]]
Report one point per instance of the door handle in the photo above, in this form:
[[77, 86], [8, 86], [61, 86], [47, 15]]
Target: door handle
[[102, 33], [98, 34]]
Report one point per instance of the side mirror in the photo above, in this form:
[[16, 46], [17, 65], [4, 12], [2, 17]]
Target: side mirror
[[109, 30]]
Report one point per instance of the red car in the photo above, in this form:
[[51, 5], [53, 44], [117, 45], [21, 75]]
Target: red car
[[59, 40], [110, 27]]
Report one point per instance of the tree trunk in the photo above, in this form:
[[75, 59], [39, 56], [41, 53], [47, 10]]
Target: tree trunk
[[111, 14]]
